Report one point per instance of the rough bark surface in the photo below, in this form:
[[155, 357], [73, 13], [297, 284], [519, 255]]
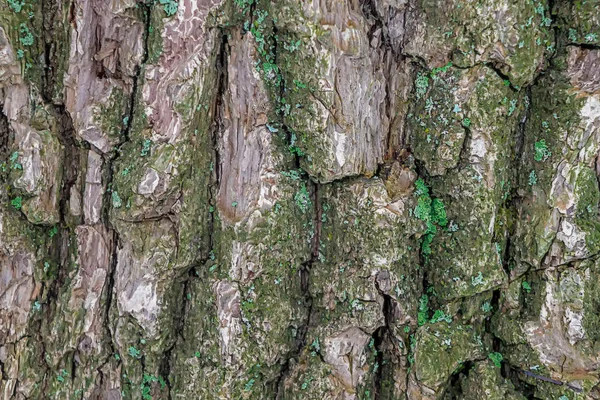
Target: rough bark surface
[[300, 199]]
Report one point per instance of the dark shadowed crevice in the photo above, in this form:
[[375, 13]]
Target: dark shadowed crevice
[[55, 47], [135, 89], [64, 124], [506, 256], [3, 372], [4, 134], [378, 35], [378, 25], [393, 139], [384, 346], [496, 67], [524, 388], [463, 154], [216, 129], [55, 242], [110, 283], [597, 168], [109, 160], [300, 343], [71, 163], [453, 388], [495, 304], [379, 337], [586, 46], [520, 132], [4, 141]]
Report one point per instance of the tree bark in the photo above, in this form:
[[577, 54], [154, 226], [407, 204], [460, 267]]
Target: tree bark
[[294, 199]]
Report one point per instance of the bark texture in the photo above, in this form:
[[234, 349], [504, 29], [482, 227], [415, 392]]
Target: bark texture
[[300, 199]]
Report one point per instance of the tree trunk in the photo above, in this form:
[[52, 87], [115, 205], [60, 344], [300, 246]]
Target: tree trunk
[[294, 199]]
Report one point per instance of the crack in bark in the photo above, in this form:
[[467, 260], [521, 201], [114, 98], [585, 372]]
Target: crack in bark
[[301, 335], [4, 141], [304, 275], [453, 387], [107, 180], [304, 270], [383, 338], [542, 378], [111, 159], [216, 128], [59, 250]]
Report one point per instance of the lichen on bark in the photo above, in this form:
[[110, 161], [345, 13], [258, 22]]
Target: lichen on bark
[[294, 199]]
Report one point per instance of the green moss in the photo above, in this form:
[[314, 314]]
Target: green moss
[[290, 71], [359, 236], [22, 22], [438, 131], [272, 304], [548, 124], [111, 115], [423, 315], [581, 18], [591, 306], [17, 202], [588, 214], [485, 381], [456, 26], [496, 359], [541, 151], [442, 348], [157, 22], [466, 258], [532, 296], [432, 211]]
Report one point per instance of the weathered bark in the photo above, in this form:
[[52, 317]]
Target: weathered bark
[[294, 199]]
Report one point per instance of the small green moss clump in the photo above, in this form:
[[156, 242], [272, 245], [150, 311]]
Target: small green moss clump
[[432, 211], [541, 151], [170, 7], [496, 359], [17, 202], [423, 315]]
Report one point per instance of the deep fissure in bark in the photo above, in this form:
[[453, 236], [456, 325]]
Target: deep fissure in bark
[[384, 342], [60, 250], [454, 388], [304, 276], [216, 127], [314, 188], [109, 161], [4, 140]]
